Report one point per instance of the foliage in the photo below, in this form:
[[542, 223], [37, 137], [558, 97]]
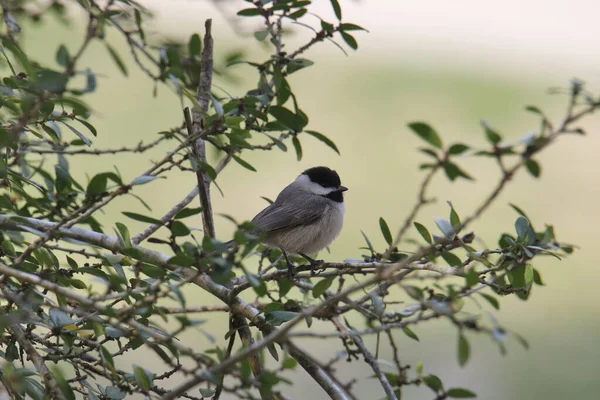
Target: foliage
[[77, 295]]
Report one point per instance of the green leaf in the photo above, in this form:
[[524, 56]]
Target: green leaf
[[385, 230], [452, 259], [453, 171], [244, 163], [460, 393], [207, 393], [88, 125], [336, 9], [62, 56], [534, 168], [142, 218], [297, 147], [142, 378], [79, 134], [528, 275], [492, 136], [195, 45], [445, 227], [323, 139], [287, 118], [472, 278], [261, 35], [492, 300], [273, 351], [289, 363], [423, 232], [124, 234], [116, 58], [454, 219], [322, 286], [524, 230], [298, 64], [410, 333], [143, 179], [276, 318], [350, 41], [350, 27], [248, 12], [458, 148], [433, 382], [188, 212], [463, 350], [426, 133], [179, 229]]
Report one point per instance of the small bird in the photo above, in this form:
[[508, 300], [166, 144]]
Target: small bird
[[307, 215]]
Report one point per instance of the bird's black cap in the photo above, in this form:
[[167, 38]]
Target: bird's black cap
[[324, 176]]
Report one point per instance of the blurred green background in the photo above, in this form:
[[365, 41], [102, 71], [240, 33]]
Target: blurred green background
[[451, 76]]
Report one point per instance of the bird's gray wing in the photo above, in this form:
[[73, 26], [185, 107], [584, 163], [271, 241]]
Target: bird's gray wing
[[280, 215]]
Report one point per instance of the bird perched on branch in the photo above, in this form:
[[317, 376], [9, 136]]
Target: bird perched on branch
[[307, 215]]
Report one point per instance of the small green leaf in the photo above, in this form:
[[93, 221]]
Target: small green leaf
[[124, 234], [453, 171], [143, 179], [142, 218], [179, 229], [248, 12], [207, 393], [289, 363], [528, 275], [445, 227], [297, 147], [433, 382], [471, 278], [458, 148], [116, 58], [463, 350], [321, 286], [534, 168], [277, 318], [492, 300], [454, 219], [410, 333], [385, 230], [261, 35], [273, 351], [287, 118], [350, 27], [298, 64], [195, 45], [188, 212], [524, 230], [323, 139], [350, 41], [62, 56], [79, 134], [426, 133], [423, 232], [337, 9], [460, 393], [452, 259], [142, 378], [492, 136], [244, 163]]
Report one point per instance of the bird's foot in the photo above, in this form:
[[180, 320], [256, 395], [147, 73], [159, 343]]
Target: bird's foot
[[291, 271], [314, 264]]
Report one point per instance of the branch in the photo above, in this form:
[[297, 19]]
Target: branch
[[38, 361], [369, 359], [197, 126]]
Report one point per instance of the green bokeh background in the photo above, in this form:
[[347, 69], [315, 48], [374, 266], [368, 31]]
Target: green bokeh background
[[364, 102]]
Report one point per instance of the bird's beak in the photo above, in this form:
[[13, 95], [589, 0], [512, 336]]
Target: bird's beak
[[342, 189]]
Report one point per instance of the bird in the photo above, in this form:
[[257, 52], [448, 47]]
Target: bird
[[306, 217]]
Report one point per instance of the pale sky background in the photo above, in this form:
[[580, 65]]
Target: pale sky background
[[554, 37]]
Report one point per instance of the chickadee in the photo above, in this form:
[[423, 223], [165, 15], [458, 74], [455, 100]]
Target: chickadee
[[307, 215]]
